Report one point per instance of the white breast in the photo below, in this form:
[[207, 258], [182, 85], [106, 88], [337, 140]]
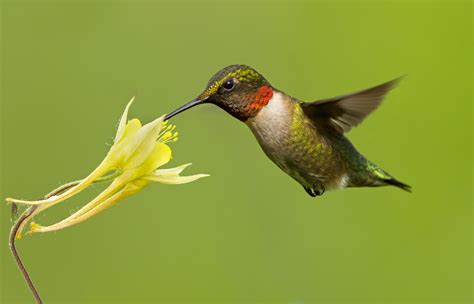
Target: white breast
[[275, 107], [273, 118], [271, 127]]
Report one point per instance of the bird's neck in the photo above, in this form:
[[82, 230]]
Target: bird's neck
[[247, 105], [276, 114]]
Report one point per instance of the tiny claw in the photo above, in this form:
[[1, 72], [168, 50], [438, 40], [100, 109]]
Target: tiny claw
[[319, 189], [309, 191]]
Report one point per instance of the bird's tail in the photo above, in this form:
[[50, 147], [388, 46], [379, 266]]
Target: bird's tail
[[381, 178], [399, 184]]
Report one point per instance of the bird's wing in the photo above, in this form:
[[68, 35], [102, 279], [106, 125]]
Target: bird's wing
[[345, 112]]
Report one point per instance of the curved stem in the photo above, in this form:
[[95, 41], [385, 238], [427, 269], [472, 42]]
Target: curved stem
[[25, 216], [15, 254]]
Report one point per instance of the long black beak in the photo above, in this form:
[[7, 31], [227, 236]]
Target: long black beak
[[184, 107]]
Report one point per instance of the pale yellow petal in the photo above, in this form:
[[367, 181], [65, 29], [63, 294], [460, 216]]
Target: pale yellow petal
[[115, 186], [146, 137], [133, 150], [123, 121], [71, 220], [173, 179], [117, 155], [101, 170], [132, 127], [172, 171], [128, 190], [43, 207], [160, 155]]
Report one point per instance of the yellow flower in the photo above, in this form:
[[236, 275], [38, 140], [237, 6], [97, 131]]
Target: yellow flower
[[133, 161]]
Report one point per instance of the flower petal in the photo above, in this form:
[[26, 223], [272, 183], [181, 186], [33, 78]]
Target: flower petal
[[132, 127], [135, 148], [171, 176], [128, 190], [43, 207], [123, 121], [100, 171], [172, 171], [174, 180], [118, 184], [160, 155]]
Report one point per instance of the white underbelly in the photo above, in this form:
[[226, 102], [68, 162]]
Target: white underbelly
[[271, 128]]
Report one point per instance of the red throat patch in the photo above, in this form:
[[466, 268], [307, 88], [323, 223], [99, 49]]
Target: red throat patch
[[261, 98]]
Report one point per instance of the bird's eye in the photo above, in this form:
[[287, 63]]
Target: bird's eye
[[228, 85]]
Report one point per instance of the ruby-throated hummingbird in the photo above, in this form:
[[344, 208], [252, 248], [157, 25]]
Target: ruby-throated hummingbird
[[304, 139]]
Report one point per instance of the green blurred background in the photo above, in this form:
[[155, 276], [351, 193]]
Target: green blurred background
[[249, 233]]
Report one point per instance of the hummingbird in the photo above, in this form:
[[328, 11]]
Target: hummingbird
[[304, 139]]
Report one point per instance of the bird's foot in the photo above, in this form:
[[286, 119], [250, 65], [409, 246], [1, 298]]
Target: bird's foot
[[317, 190], [309, 191]]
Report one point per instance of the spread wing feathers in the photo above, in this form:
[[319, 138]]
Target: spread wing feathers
[[345, 112]]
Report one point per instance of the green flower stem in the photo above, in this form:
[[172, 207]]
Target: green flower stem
[[26, 216]]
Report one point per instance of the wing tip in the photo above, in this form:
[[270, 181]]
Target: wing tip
[[385, 87]]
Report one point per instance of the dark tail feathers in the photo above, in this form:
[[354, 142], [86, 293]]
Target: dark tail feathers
[[398, 184]]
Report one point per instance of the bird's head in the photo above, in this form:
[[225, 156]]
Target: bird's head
[[238, 89]]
